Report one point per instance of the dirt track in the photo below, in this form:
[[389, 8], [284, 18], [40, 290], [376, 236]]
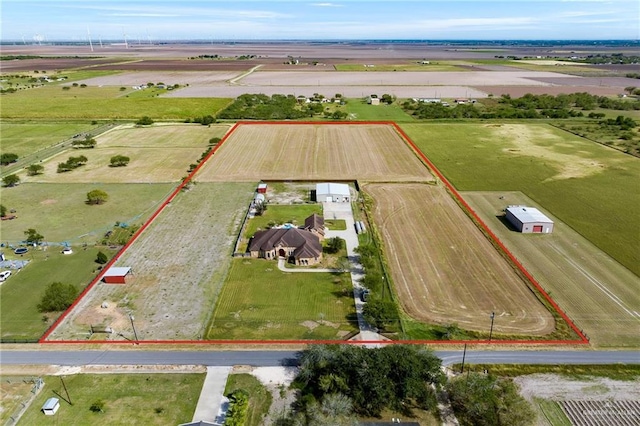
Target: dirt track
[[445, 270]]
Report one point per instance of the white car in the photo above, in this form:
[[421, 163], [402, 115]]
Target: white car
[[4, 275], [67, 251]]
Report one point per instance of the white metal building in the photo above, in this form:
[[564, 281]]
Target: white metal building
[[529, 220], [333, 193]]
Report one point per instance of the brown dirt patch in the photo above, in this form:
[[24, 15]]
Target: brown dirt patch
[[314, 152], [48, 202], [445, 270]]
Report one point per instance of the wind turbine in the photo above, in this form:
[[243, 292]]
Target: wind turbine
[[89, 35], [126, 45]]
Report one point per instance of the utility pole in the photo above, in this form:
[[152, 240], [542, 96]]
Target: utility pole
[[493, 315], [464, 354], [134, 328], [66, 391]]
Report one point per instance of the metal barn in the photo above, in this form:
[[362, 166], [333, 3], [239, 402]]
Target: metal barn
[[529, 220]]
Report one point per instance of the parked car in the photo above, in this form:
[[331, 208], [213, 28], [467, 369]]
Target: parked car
[[4, 275], [67, 250]]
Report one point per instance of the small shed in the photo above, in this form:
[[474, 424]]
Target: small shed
[[116, 275], [51, 406], [262, 188], [529, 220], [333, 193]]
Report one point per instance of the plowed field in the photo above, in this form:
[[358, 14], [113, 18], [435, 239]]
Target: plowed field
[[445, 270], [314, 152]]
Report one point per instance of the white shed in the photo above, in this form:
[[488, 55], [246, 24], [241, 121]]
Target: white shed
[[333, 193], [51, 406], [529, 220]]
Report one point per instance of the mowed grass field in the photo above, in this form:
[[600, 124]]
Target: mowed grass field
[[21, 293], [314, 152], [591, 188], [178, 266], [128, 399], [444, 269], [358, 109], [24, 138], [598, 293], [160, 153], [60, 213], [260, 302], [102, 103]]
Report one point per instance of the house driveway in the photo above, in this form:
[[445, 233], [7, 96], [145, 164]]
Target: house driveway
[[343, 211], [211, 395]]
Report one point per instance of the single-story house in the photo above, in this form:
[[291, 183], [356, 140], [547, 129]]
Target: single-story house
[[333, 193], [298, 246], [116, 275], [529, 220], [51, 406]]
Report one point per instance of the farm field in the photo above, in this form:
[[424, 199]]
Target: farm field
[[444, 269], [101, 103], [178, 266], [23, 138], [21, 293], [597, 293], [137, 78], [314, 152], [128, 399], [260, 302], [60, 213], [582, 183], [158, 154], [435, 67]]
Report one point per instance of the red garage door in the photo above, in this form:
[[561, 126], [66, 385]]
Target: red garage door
[[537, 228]]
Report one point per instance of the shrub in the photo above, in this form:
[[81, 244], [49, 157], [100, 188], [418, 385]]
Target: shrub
[[97, 406], [101, 258], [144, 121], [8, 158]]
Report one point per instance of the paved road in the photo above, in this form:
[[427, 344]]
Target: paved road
[[277, 358]]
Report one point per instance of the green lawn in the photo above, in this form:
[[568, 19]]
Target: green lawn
[[259, 397], [59, 212], [103, 103], [361, 111], [336, 224], [129, 399], [24, 138], [280, 214], [21, 293], [258, 301], [595, 197]]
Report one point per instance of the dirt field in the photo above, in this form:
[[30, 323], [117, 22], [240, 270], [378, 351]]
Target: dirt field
[[314, 152], [158, 154], [588, 391], [519, 91], [178, 265], [445, 270], [597, 293], [136, 78]]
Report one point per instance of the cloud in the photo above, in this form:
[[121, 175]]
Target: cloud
[[326, 5]]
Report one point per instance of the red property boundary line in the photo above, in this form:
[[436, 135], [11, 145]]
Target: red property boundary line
[[582, 338]]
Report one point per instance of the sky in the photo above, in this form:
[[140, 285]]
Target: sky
[[317, 20]]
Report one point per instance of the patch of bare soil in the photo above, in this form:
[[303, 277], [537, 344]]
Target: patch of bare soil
[[558, 388], [277, 381]]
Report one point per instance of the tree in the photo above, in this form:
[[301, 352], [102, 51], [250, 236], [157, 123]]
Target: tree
[[88, 142], [119, 161], [57, 297], [386, 98], [8, 158], [479, 399], [97, 196], [3, 210], [145, 121], [379, 312], [11, 180], [32, 236], [34, 169], [101, 258], [334, 245], [97, 406]]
